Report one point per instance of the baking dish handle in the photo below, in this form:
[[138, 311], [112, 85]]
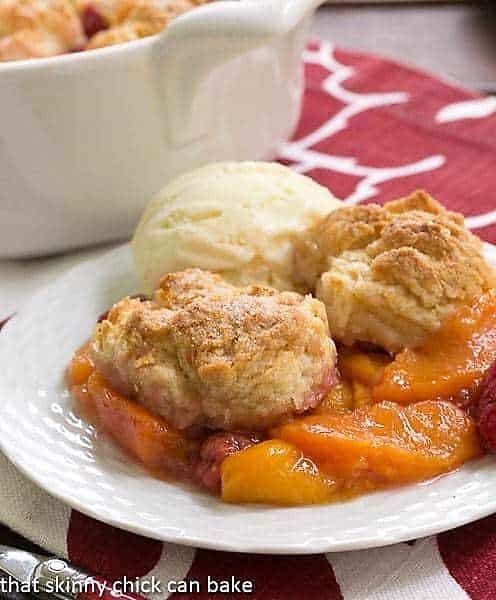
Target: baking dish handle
[[200, 40]]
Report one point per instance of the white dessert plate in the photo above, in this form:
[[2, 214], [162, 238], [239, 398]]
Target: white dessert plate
[[40, 434]]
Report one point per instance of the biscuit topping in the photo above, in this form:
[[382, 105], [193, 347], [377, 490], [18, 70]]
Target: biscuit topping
[[390, 274]]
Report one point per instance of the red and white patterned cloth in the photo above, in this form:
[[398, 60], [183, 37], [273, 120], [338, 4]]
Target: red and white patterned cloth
[[371, 130]]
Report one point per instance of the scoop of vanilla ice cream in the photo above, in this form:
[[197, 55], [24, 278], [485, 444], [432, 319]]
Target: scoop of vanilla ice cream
[[238, 219]]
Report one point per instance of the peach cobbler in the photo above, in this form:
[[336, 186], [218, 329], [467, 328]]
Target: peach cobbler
[[41, 28], [381, 375]]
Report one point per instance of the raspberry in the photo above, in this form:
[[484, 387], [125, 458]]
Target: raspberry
[[215, 449], [486, 417], [93, 21]]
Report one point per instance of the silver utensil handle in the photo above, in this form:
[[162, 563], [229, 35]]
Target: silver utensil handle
[[54, 577]]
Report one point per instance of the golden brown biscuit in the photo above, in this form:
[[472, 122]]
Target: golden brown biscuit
[[207, 353], [133, 19], [390, 274], [127, 32], [38, 28]]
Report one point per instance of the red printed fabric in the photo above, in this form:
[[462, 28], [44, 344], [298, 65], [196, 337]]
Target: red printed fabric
[[371, 130]]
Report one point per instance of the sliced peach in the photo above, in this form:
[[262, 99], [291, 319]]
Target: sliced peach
[[451, 364], [80, 367], [140, 432], [345, 396], [85, 404], [339, 398], [385, 443], [274, 472], [364, 367], [362, 395]]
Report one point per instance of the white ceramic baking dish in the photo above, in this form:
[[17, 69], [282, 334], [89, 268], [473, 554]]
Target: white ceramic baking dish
[[87, 138]]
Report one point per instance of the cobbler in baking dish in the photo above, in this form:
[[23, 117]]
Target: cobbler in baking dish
[[379, 376], [42, 28]]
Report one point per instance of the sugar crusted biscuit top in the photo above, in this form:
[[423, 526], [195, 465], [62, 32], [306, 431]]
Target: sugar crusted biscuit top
[[44, 28], [389, 274], [134, 19], [38, 28], [207, 353]]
